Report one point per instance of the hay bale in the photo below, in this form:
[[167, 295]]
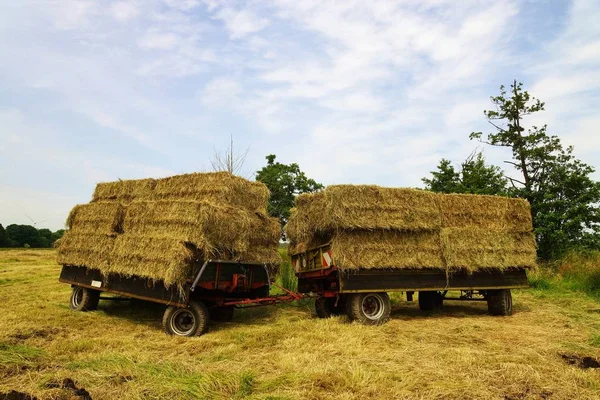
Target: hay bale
[[381, 249], [261, 253], [169, 260], [124, 191], [219, 187], [475, 249], [363, 207], [85, 249], [207, 225], [489, 212], [96, 218], [204, 224]]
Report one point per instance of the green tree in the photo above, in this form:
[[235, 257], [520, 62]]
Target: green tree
[[285, 181], [564, 199], [4, 239], [24, 234], [57, 235], [473, 177]]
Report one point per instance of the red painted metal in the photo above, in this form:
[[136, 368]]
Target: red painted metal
[[261, 301]]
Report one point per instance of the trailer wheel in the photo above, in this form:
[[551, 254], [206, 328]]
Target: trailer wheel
[[368, 308], [190, 321], [326, 307], [430, 301], [499, 302], [221, 314], [84, 299]]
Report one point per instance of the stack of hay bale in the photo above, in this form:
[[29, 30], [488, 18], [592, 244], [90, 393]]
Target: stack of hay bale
[[156, 228], [375, 227]]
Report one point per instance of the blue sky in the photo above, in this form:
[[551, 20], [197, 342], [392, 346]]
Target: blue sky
[[354, 91]]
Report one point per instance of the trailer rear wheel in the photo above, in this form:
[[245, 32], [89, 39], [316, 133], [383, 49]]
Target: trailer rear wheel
[[326, 306], [369, 308], [190, 321], [221, 314], [84, 299], [499, 302], [430, 301]]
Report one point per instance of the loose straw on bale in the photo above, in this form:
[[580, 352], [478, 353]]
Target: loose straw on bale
[[473, 249], [363, 207], [157, 258], [221, 187], [98, 218], [487, 212], [124, 190], [85, 249]]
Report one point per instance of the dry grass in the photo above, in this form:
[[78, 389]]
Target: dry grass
[[119, 351]]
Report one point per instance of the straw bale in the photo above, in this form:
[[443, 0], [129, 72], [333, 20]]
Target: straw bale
[[201, 223], [476, 249], [85, 249], [206, 225], [381, 249], [169, 260], [267, 254], [221, 187], [490, 212], [363, 207], [97, 218], [124, 190]]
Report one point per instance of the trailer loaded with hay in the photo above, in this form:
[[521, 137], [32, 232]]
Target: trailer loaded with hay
[[352, 244], [200, 243]]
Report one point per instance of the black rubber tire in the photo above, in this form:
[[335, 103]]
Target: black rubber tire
[[84, 299], [326, 308], [499, 302], [190, 321], [358, 304], [431, 301], [221, 314]]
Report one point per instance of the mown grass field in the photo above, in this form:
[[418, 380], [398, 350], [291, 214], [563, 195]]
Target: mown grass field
[[120, 352]]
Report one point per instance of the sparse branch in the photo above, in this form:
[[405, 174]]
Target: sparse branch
[[230, 160]]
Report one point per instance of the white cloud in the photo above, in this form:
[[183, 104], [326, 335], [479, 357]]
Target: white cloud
[[240, 23], [221, 92], [124, 11], [184, 5], [158, 40]]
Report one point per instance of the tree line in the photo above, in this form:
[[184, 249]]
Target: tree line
[[28, 236]]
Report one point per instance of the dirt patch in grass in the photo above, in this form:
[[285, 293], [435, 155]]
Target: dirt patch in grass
[[583, 362], [14, 395], [69, 386], [44, 333]]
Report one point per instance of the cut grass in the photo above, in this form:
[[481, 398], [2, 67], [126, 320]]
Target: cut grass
[[285, 352]]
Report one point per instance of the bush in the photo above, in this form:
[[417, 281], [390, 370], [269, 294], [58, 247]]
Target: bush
[[578, 270]]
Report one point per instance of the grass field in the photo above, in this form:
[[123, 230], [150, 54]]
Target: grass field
[[120, 352]]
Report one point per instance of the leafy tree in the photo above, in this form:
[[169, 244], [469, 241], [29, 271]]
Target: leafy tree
[[24, 234], [474, 177], [57, 235], [564, 199], [285, 181], [4, 239]]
